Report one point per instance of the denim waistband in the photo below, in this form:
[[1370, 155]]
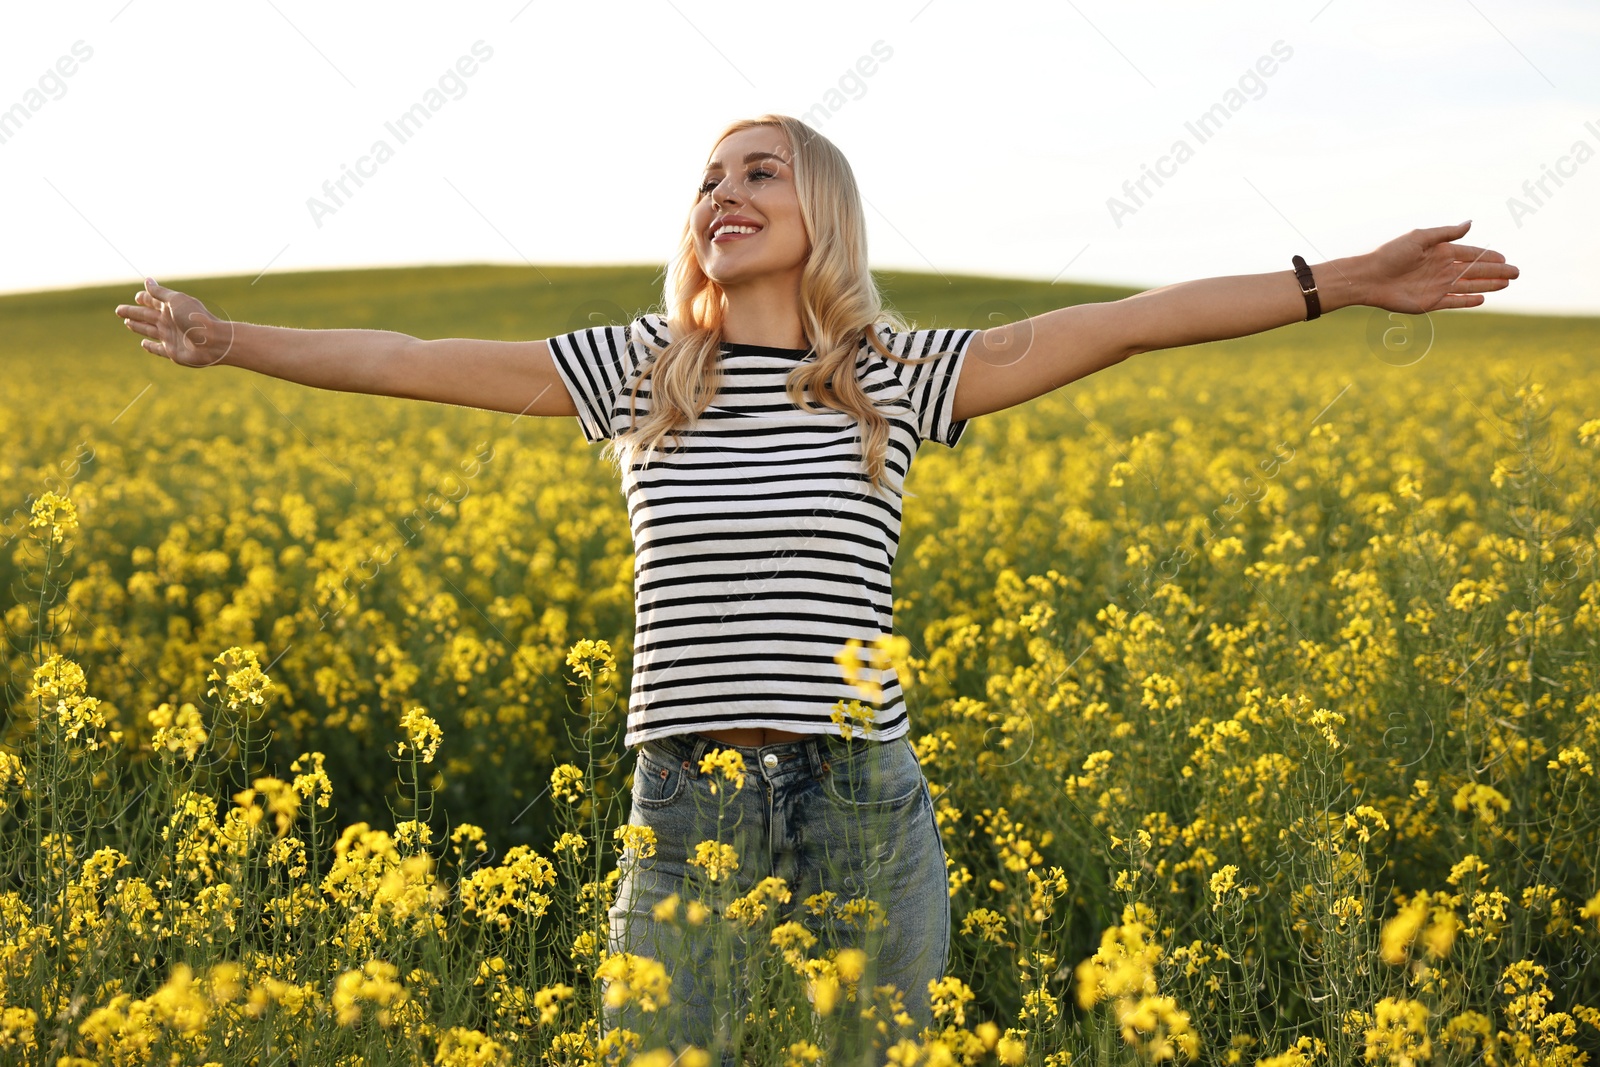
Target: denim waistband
[[815, 750]]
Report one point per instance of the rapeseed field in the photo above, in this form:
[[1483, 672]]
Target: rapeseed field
[[1257, 684]]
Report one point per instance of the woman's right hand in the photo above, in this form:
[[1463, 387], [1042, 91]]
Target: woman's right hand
[[177, 326]]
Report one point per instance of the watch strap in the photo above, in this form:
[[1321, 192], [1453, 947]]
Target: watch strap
[[1308, 288]]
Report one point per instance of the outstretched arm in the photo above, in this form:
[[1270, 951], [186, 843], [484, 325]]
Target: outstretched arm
[[517, 377], [1418, 272]]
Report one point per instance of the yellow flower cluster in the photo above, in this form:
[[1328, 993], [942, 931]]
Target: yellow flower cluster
[[1485, 801], [373, 986], [60, 691], [1412, 921], [726, 761], [635, 979], [566, 783], [865, 664], [244, 684], [1122, 972], [55, 512], [423, 735], [177, 731], [592, 660], [1400, 1036], [717, 858]]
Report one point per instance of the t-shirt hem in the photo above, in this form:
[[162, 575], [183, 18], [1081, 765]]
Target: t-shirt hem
[[636, 738]]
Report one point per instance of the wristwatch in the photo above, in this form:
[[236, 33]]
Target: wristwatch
[[1308, 288]]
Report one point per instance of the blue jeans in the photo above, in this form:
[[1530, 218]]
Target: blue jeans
[[824, 814]]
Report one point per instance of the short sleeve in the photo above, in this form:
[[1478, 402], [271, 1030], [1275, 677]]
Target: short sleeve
[[598, 365], [931, 386]]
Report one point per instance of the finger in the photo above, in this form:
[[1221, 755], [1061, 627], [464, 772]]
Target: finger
[[1446, 233], [1488, 270], [1457, 302], [141, 328], [1472, 252], [160, 292], [1478, 285], [152, 347], [139, 313]]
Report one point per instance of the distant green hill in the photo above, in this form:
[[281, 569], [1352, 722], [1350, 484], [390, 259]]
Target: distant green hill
[[520, 303]]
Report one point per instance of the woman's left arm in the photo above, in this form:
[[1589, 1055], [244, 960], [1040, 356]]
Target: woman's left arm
[[1419, 272]]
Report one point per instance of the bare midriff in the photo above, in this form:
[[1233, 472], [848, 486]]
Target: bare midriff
[[753, 736]]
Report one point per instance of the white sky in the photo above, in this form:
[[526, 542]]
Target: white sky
[[988, 142]]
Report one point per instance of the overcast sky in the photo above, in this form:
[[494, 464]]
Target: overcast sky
[[178, 138]]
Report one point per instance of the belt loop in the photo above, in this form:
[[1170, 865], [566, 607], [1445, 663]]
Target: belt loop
[[816, 757], [702, 744]]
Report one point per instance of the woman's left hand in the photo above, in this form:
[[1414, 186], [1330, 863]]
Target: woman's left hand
[[1423, 271]]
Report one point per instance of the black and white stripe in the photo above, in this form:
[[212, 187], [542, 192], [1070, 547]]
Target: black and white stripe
[[759, 547]]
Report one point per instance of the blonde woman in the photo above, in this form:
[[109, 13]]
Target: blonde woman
[[763, 427]]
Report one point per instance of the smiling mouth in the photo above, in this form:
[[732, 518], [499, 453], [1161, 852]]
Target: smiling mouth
[[723, 238]]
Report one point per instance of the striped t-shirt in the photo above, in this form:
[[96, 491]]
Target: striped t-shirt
[[759, 547]]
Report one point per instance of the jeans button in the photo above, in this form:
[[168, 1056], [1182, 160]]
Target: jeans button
[[770, 759]]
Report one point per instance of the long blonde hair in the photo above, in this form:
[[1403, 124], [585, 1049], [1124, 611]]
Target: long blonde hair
[[839, 304]]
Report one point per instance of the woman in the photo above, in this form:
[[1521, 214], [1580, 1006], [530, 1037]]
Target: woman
[[763, 428]]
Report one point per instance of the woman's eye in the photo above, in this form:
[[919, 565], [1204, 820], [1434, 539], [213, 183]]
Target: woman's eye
[[711, 183]]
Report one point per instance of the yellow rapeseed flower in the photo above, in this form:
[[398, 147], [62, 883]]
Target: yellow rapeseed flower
[[548, 1001], [566, 783], [851, 718], [849, 964], [883, 654], [177, 731], [1401, 930], [1574, 759], [1399, 1037], [283, 803], [373, 984], [1157, 1029], [57, 512], [60, 690], [751, 908], [719, 860], [949, 997], [312, 783], [592, 659], [729, 761], [1221, 882], [1305, 1052], [245, 685], [462, 1047], [422, 733], [1441, 933], [640, 839], [1591, 908], [1485, 801], [904, 1053], [804, 1054], [638, 979], [569, 840], [17, 1029]]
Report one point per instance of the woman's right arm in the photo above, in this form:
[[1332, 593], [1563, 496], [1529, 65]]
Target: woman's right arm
[[518, 377]]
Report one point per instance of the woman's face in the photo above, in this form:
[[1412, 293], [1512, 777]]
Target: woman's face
[[749, 175]]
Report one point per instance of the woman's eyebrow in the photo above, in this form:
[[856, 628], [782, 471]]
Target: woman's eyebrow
[[750, 157]]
